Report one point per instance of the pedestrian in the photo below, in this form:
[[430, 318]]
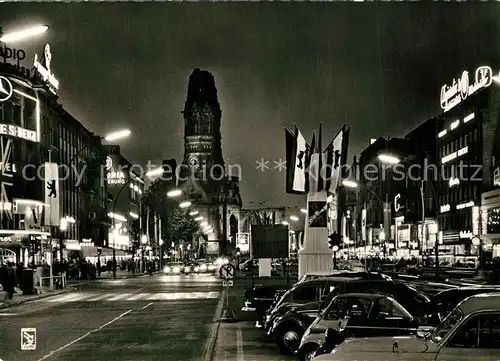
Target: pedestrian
[[8, 281]]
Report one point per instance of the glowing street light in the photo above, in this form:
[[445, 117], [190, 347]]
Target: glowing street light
[[174, 193], [154, 172], [303, 210], [204, 224], [349, 184], [193, 213], [185, 204], [24, 34], [199, 219], [285, 223], [294, 218], [388, 159], [120, 134]]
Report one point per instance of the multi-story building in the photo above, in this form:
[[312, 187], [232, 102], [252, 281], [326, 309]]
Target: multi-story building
[[468, 149], [125, 189], [48, 159]]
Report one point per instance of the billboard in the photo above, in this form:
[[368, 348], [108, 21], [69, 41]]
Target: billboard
[[270, 241]]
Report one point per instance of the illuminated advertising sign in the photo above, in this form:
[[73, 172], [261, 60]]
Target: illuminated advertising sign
[[10, 53], [116, 177], [5, 89], [117, 170], [43, 68], [460, 89], [7, 176], [18, 132]]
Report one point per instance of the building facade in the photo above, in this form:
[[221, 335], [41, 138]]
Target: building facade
[[53, 198], [202, 176], [125, 190], [468, 151]]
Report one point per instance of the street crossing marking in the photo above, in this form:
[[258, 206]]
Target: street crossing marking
[[124, 297]]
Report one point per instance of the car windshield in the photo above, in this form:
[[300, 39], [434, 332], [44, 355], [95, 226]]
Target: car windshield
[[448, 323]]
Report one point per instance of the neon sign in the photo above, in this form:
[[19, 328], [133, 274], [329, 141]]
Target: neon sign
[[44, 69], [460, 89], [116, 178], [18, 132], [5, 89]]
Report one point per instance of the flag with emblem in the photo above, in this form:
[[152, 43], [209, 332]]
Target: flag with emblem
[[336, 156], [296, 151]]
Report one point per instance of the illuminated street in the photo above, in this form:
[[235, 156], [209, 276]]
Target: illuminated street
[[152, 317]]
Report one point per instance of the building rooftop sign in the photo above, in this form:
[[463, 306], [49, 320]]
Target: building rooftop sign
[[43, 68], [460, 89]]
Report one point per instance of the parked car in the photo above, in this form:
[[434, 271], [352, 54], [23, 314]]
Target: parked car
[[276, 310], [355, 315], [446, 301], [298, 318], [469, 332]]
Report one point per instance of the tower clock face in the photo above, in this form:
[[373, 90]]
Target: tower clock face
[[193, 161]]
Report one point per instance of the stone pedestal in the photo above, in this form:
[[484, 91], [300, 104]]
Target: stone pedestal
[[315, 256]]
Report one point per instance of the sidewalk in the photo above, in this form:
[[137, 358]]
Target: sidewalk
[[19, 298], [241, 340]]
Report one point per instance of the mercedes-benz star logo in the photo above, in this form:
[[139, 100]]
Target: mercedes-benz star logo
[[109, 163], [5, 89]]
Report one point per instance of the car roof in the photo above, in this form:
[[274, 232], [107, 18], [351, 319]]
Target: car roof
[[480, 302], [330, 278], [371, 296]]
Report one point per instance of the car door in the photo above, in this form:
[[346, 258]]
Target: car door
[[477, 338], [389, 318]]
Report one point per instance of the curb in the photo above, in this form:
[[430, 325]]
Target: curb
[[212, 340], [37, 297]]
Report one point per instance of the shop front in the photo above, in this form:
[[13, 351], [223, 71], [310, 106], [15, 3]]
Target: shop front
[[490, 226]]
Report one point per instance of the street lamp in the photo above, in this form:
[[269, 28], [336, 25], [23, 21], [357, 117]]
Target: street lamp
[[23, 34], [193, 213], [349, 184], [388, 159], [174, 193], [155, 172], [185, 204], [303, 210], [294, 218], [123, 133], [199, 219]]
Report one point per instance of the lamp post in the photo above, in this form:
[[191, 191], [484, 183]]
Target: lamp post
[[144, 242]]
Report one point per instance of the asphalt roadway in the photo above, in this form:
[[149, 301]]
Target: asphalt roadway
[[148, 318]]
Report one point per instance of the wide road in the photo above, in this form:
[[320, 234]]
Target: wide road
[[148, 318]]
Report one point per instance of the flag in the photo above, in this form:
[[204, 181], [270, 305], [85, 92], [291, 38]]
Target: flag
[[334, 158], [52, 195], [320, 180], [296, 152]]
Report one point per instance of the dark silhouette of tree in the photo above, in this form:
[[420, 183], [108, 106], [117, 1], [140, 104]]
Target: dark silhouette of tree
[[177, 225]]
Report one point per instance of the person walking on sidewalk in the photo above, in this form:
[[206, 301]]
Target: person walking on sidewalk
[[8, 281]]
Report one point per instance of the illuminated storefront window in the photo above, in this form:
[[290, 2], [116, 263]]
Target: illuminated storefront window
[[493, 225]]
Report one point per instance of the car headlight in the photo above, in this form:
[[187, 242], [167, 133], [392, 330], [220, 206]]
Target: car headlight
[[197, 269], [166, 269], [203, 267], [177, 269], [187, 269]]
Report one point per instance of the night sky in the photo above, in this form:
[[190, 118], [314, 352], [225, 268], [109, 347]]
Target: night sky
[[376, 67]]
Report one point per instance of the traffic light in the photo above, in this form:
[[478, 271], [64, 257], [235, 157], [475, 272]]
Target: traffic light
[[334, 239]]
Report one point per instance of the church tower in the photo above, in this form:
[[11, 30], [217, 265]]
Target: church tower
[[214, 195], [202, 121]]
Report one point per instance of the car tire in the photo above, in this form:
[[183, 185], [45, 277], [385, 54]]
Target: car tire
[[288, 338], [307, 351]]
